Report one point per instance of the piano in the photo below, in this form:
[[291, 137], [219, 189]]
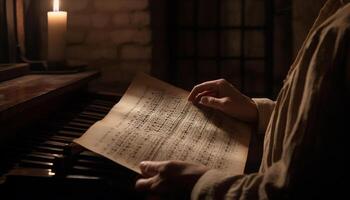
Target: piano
[[40, 115]]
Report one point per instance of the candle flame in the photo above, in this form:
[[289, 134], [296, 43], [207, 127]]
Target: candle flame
[[56, 5]]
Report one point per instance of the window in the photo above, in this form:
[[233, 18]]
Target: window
[[222, 38]]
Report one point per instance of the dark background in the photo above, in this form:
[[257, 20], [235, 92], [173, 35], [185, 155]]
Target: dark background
[[251, 43]]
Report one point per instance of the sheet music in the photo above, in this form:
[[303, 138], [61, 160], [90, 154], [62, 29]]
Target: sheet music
[[154, 121]]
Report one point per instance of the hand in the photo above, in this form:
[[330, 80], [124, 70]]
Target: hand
[[221, 95], [169, 176]]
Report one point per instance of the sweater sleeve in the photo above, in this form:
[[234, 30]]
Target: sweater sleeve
[[265, 107], [216, 184]]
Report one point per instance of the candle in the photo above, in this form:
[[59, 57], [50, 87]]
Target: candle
[[57, 28]]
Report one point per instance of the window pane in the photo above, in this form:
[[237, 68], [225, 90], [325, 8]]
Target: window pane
[[254, 44], [231, 12], [230, 43], [230, 70], [185, 43], [185, 7], [185, 74], [207, 12], [254, 81], [207, 70], [207, 45], [254, 13]]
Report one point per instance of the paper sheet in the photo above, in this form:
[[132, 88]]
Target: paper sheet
[[154, 121]]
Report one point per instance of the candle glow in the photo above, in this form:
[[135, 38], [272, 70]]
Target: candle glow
[[56, 5]]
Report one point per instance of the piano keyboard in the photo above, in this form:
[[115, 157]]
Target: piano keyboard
[[41, 158]]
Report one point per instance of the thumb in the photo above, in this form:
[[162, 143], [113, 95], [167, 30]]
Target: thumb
[[150, 168], [212, 102]]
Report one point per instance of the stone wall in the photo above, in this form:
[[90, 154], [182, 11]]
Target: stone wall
[[112, 36]]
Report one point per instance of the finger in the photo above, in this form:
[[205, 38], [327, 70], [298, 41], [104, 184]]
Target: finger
[[205, 93], [212, 102], [145, 183], [206, 86], [151, 168]]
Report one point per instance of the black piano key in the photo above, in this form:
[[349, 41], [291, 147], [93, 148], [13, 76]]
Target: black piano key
[[96, 161], [90, 162], [57, 138], [55, 144], [79, 125], [39, 157], [43, 154], [109, 104], [90, 154], [31, 172], [106, 109], [91, 159], [90, 171], [68, 133], [48, 149], [97, 109], [84, 121], [83, 177], [36, 164], [95, 115], [62, 139], [87, 116], [96, 166], [46, 140], [40, 142], [76, 129]]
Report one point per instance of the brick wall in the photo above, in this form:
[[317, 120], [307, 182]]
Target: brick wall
[[113, 36]]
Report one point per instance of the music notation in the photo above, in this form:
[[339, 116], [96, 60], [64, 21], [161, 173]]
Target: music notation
[[154, 121]]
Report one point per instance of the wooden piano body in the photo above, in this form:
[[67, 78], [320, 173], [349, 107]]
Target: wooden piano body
[[40, 115]]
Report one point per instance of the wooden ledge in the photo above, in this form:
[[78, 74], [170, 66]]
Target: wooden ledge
[[29, 87], [31, 98], [10, 71]]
